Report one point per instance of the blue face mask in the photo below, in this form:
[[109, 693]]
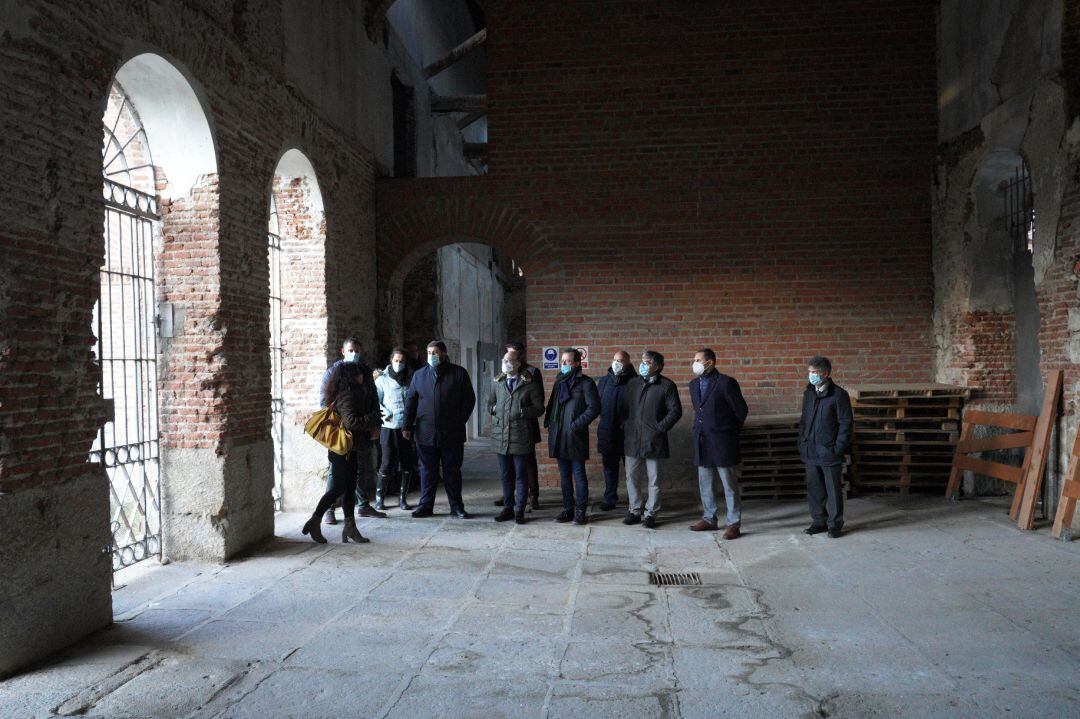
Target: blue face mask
[[566, 368], [352, 356], [434, 360], [643, 369], [816, 379]]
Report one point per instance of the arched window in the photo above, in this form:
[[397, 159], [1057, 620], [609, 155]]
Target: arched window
[[125, 323]]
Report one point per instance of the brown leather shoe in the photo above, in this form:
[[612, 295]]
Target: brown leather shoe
[[732, 532], [703, 525]]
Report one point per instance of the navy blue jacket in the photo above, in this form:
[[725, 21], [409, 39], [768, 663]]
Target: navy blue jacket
[[609, 433], [826, 426], [718, 419], [438, 405]]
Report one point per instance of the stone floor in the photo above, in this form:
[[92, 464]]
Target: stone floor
[[923, 609]]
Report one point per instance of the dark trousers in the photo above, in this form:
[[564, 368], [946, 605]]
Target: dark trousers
[[443, 464], [364, 479], [343, 474], [397, 452], [514, 469], [825, 494], [611, 476], [533, 472], [575, 484]]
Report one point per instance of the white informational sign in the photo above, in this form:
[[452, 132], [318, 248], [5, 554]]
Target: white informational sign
[[584, 357]]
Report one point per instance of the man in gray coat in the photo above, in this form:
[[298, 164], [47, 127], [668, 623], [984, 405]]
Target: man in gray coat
[[651, 407]]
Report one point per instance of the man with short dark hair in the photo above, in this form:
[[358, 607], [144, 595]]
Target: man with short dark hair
[[438, 404], [719, 413], [573, 405], [651, 407], [825, 432]]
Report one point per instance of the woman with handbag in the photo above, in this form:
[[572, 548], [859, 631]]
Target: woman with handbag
[[352, 393]]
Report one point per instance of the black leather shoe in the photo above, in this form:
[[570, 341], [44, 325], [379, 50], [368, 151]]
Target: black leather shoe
[[631, 518], [500, 502], [519, 518], [580, 518], [649, 522], [813, 529], [462, 514], [565, 516], [605, 507], [504, 515], [836, 533], [421, 512]]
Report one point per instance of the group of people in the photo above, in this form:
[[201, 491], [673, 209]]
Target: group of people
[[419, 412]]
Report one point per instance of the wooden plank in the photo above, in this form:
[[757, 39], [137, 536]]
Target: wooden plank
[[1007, 420], [1040, 445], [1001, 441], [1005, 472], [456, 54]]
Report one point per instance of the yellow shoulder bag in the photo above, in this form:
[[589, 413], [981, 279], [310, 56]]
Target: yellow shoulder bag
[[325, 428]]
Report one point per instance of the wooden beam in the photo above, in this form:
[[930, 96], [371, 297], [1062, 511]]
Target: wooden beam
[[1004, 472], [1040, 445], [1000, 419], [469, 119], [989, 444], [456, 54], [443, 104]]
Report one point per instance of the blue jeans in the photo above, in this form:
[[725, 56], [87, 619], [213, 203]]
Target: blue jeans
[[514, 469], [446, 458], [575, 485]]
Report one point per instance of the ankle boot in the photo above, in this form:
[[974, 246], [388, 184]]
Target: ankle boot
[[312, 528], [380, 488], [406, 479], [349, 531]]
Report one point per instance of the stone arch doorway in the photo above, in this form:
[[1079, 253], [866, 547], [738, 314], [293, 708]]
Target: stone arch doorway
[[157, 147]]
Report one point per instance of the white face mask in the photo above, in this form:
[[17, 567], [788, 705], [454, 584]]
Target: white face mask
[[698, 368], [397, 366], [352, 356], [508, 367], [617, 367]]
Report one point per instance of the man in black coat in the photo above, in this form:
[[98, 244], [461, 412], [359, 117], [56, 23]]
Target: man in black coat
[[719, 413], [573, 405], [438, 404], [609, 433], [825, 432], [517, 351], [651, 407]]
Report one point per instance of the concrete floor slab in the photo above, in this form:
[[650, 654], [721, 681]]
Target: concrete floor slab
[[925, 609]]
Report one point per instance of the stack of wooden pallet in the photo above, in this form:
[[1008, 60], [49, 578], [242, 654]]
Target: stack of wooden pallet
[[905, 437], [771, 466]]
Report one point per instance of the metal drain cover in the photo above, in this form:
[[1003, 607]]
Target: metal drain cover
[[674, 579]]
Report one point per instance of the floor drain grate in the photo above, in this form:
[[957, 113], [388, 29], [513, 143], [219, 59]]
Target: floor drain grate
[[674, 579]]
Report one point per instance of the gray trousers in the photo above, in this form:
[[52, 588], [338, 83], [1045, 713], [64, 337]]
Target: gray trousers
[[729, 477], [636, 469]]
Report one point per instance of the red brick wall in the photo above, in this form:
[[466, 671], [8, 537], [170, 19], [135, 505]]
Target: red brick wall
[[749, 177], [986, 358], [56, 66]]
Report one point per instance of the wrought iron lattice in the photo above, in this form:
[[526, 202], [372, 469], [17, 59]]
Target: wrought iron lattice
[[277, 356], [1020, 209], [125, 321]]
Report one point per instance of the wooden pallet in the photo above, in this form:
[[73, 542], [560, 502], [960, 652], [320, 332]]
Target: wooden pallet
[[772, 468], [904, 436]]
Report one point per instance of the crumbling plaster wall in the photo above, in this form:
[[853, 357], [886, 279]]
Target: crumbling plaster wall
[[1001, 96]]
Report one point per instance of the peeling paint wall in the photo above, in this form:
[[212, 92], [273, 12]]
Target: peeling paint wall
[[1002, 102]]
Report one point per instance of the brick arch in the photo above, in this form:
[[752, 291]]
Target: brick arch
[[410, 234]]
